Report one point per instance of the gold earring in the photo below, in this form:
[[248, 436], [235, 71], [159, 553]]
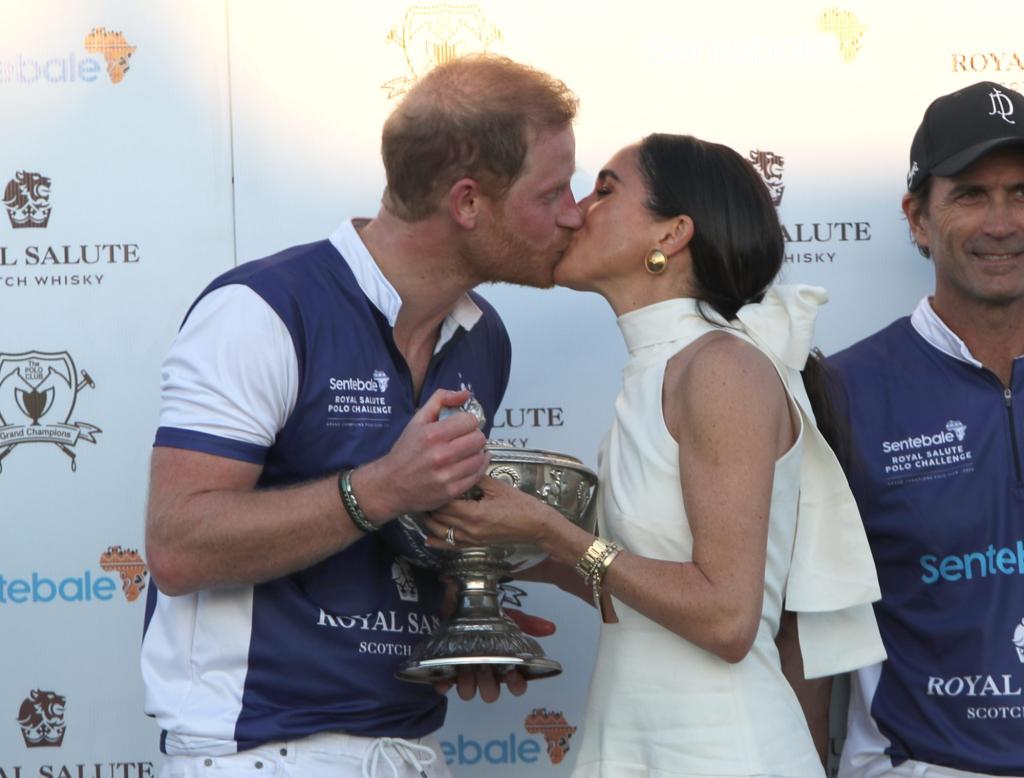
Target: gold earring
[[655, 262]]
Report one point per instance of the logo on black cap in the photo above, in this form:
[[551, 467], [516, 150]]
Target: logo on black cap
[[1001, 105], [911, 175]]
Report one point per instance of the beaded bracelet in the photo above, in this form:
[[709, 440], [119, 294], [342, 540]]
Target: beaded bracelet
[[348, 499]]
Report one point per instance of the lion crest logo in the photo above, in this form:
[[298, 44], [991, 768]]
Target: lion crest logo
[[27, 198], [433, 34], [129, 566], [41, 719], [769, 165], [555, 729], [38, 391]]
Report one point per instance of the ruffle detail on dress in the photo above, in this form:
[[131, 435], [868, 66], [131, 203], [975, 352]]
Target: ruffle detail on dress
[[832, 578]]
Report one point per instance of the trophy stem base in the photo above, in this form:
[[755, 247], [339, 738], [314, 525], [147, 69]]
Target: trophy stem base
[[478, 633], [448, 668]]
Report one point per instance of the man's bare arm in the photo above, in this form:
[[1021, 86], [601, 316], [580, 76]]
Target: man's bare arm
[[208, 525]]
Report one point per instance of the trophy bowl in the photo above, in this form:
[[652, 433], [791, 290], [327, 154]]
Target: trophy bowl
[[478, 632]]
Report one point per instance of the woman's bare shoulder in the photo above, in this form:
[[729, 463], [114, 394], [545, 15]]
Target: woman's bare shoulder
[[720, 357], [720, 377]]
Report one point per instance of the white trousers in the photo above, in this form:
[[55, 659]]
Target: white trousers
[[325, 755]]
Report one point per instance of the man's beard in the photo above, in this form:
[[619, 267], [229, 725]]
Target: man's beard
[[503, 256]]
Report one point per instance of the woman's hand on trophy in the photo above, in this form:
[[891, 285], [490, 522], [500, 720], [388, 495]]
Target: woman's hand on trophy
[[502, 514]]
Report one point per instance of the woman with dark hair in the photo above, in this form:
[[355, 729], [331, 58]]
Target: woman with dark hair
[[721, 507]]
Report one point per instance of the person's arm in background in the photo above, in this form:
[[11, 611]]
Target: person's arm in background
[[815, 694]]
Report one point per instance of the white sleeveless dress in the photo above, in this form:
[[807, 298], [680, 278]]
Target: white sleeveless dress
[[658, 704]]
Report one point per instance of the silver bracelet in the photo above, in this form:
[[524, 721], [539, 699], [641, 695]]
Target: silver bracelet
[[348, 499]]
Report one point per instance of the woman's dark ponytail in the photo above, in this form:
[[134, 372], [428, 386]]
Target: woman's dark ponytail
[[737, 245]]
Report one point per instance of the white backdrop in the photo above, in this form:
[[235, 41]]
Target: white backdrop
[[243, 126]]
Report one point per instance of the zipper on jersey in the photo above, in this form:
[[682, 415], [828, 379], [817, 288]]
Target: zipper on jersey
[[1008, 397]]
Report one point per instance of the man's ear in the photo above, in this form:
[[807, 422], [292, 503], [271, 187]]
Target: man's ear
[[677, 235], [916, 216], [465, 202]]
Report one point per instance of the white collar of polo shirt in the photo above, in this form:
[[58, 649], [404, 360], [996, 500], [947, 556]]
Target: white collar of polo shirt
[[384, 296], [934, 330]]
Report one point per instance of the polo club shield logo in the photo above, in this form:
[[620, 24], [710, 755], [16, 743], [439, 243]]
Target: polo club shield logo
[[38, 391]]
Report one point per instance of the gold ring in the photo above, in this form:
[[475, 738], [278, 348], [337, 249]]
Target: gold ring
[[449, 536]]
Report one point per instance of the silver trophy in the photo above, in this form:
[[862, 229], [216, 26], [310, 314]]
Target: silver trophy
[[478, 632]]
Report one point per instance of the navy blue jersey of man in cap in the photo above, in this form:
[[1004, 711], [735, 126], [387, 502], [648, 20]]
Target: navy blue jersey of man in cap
[[302, 412], [936, 415]]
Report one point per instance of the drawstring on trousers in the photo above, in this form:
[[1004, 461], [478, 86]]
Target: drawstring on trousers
[[410, 753]]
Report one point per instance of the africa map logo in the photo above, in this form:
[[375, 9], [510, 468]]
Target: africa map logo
[[130, 566], [847, 28], [114, 48], [555, 730]]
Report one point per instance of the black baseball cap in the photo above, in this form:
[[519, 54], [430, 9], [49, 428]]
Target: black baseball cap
[[960, 128]]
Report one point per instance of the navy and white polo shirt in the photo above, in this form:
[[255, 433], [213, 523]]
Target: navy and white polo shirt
[[289, 362], [938, 445]]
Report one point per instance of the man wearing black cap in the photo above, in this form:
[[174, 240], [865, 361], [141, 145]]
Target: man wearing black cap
[[936, 415]]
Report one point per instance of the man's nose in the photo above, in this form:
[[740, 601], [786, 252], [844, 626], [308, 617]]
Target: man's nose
[[1003, 217], [570, 215]]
